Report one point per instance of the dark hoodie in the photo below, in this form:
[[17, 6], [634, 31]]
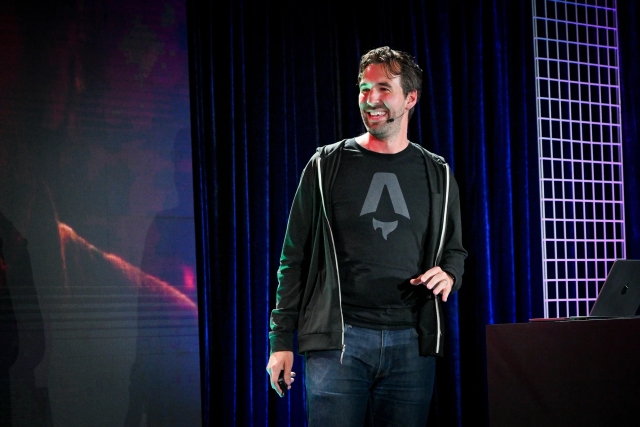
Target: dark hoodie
[[309, 296]]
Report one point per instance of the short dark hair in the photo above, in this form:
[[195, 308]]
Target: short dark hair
[[396, 63]]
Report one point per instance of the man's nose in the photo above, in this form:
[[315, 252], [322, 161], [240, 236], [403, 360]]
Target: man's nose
[[373, 97]]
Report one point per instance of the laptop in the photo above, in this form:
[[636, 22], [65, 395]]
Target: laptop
[[620, 294], [618, 297]]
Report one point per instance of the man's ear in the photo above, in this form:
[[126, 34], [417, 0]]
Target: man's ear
[[412, 99]]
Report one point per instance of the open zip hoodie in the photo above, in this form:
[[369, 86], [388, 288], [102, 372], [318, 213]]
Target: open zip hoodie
[[309, 297]]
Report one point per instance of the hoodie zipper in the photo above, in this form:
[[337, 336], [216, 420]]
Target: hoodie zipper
[[439, 254], [324, 211], [444, 216]]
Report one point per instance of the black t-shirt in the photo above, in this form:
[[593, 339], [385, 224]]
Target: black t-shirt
[[380, 206]]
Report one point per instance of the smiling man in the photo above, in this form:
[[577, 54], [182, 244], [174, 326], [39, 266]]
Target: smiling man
[[373, 247]]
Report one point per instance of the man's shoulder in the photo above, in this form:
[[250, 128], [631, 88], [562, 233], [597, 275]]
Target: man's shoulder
[[433, 156], [326, 150]]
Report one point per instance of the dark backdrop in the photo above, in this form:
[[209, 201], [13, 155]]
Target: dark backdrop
[[271, 83], [629, 54]]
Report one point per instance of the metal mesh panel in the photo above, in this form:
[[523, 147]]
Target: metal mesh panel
[[579, 150]]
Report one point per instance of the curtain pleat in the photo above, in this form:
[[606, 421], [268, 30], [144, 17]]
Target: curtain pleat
[[628, 15]]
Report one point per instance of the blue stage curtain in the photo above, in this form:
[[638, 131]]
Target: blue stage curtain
[[629, 53], [271, 83]]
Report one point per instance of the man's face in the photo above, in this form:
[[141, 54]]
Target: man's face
[[381, 98]]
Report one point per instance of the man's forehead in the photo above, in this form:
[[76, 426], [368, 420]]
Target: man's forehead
[[377, 74]]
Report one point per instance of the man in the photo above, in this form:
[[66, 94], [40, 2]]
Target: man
[[373, 244]]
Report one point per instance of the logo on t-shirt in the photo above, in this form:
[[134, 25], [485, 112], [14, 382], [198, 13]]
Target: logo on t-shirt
[[379, 181]]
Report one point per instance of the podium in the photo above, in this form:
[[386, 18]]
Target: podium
[[564, 373]]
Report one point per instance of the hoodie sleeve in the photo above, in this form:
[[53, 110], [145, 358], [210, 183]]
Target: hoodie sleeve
[[294, 261], [453, 253]]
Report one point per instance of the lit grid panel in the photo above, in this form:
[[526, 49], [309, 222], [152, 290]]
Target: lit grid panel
[[579, 149]]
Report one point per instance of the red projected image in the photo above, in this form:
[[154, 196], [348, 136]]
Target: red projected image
[[86, 259], [98, 290]]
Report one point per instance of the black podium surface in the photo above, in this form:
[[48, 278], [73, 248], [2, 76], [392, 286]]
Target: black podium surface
[[564, 373]]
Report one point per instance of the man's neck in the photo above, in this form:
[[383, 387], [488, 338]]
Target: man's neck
[[386, 146]]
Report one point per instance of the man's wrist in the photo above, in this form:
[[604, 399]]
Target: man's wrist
[[453, 279]]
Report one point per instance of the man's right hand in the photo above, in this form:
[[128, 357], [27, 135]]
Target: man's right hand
[[280, 360]]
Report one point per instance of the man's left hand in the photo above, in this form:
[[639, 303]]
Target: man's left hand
[[440, 282]]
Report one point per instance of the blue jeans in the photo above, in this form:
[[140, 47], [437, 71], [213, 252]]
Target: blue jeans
[[382, 378]]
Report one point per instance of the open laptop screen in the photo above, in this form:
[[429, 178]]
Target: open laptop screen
[[620, 294]]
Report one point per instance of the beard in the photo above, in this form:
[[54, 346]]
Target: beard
[[382, 130]]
